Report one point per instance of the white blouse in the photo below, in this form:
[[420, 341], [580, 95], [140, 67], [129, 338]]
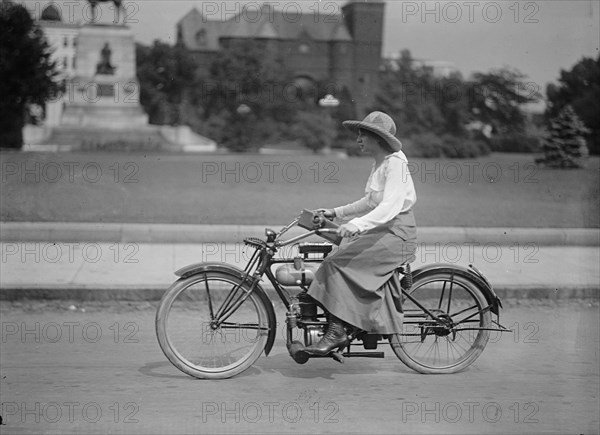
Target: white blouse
[[389, 191]]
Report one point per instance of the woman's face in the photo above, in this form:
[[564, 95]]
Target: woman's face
[[367, 143]]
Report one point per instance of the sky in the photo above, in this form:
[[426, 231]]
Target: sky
[[539, 38]]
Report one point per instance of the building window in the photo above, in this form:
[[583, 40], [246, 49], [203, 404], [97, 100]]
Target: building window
[[51, 13], [65, 42], [74, 41], [201, 37], [73, 62], [179, 35], [65, 62]]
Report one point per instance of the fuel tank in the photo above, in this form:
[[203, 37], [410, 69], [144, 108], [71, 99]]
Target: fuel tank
[[299, 273]]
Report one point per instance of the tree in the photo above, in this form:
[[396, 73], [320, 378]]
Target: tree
[[579, 88], [247, 86], [565, 146], [345, 111], [169, 85], [431, 111], [411, 95], [28, 76], [428, 106], [452, 104], [497, 98]]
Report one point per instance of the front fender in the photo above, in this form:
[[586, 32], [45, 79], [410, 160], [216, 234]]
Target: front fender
[[470, 273], [199, 268], [196, 268]]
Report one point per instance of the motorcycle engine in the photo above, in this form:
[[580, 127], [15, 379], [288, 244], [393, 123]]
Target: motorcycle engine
[[312, 334], [303, 308]]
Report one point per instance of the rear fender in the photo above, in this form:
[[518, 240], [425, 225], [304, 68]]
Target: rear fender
[[200, 268], [470, 273]]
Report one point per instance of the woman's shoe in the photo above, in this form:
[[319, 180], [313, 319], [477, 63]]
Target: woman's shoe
[[334, 337]]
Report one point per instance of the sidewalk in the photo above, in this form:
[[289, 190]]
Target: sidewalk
[[143, 271], [185, 233]]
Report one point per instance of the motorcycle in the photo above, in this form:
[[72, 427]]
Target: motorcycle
[[216, 320]]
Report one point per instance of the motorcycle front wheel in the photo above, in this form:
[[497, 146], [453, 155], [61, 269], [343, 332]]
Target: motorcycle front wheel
[[193, 339]]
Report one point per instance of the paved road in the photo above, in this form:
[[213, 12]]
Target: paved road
[[101, 371]]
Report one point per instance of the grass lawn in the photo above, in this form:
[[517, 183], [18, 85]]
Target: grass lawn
[[498, 190]]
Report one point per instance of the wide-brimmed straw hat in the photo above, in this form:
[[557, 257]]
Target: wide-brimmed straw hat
[[380, 124]]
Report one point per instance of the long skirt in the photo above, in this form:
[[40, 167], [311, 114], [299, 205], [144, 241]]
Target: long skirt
[[358, 283]]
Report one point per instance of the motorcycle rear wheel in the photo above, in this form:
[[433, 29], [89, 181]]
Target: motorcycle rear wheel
[[452, 344]]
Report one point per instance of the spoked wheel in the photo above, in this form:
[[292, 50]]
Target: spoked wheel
[[202, 334], [453, 334]]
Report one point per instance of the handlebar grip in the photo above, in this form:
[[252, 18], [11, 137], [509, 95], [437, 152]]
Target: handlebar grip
[[327, 230]]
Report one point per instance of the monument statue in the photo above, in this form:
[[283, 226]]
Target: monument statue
[[117, 4], [104, 66], [105, 56]]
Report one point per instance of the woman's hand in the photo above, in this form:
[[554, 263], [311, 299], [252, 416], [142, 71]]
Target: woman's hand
[[347, 230], [329, 213]]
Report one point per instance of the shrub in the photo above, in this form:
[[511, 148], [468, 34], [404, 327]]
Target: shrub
[[460, 148], [515, 143], [125, 145], [423, 145], [215, 127], [270, 131], [428, 145], [314, 130]]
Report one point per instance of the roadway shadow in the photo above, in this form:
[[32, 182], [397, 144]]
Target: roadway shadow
[[164, 369], [157, 370], [317, 368], [327, 368]]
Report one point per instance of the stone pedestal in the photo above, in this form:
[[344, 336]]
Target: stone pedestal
[[104, 91]]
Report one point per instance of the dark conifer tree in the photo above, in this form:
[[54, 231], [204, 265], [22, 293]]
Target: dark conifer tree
[[565, 146]]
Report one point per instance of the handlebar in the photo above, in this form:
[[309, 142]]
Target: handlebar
[[315, 222]]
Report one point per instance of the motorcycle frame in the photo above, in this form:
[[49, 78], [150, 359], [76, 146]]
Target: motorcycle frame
[[263, 259]]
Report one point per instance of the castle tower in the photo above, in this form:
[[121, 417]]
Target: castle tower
[[364, 19]]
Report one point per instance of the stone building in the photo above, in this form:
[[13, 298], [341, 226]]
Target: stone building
[[339, 47], [62, 38]]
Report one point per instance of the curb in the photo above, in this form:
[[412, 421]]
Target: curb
[[153, 292], [186, 233]]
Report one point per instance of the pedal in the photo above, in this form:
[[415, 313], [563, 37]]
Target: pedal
[[337, 355]]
